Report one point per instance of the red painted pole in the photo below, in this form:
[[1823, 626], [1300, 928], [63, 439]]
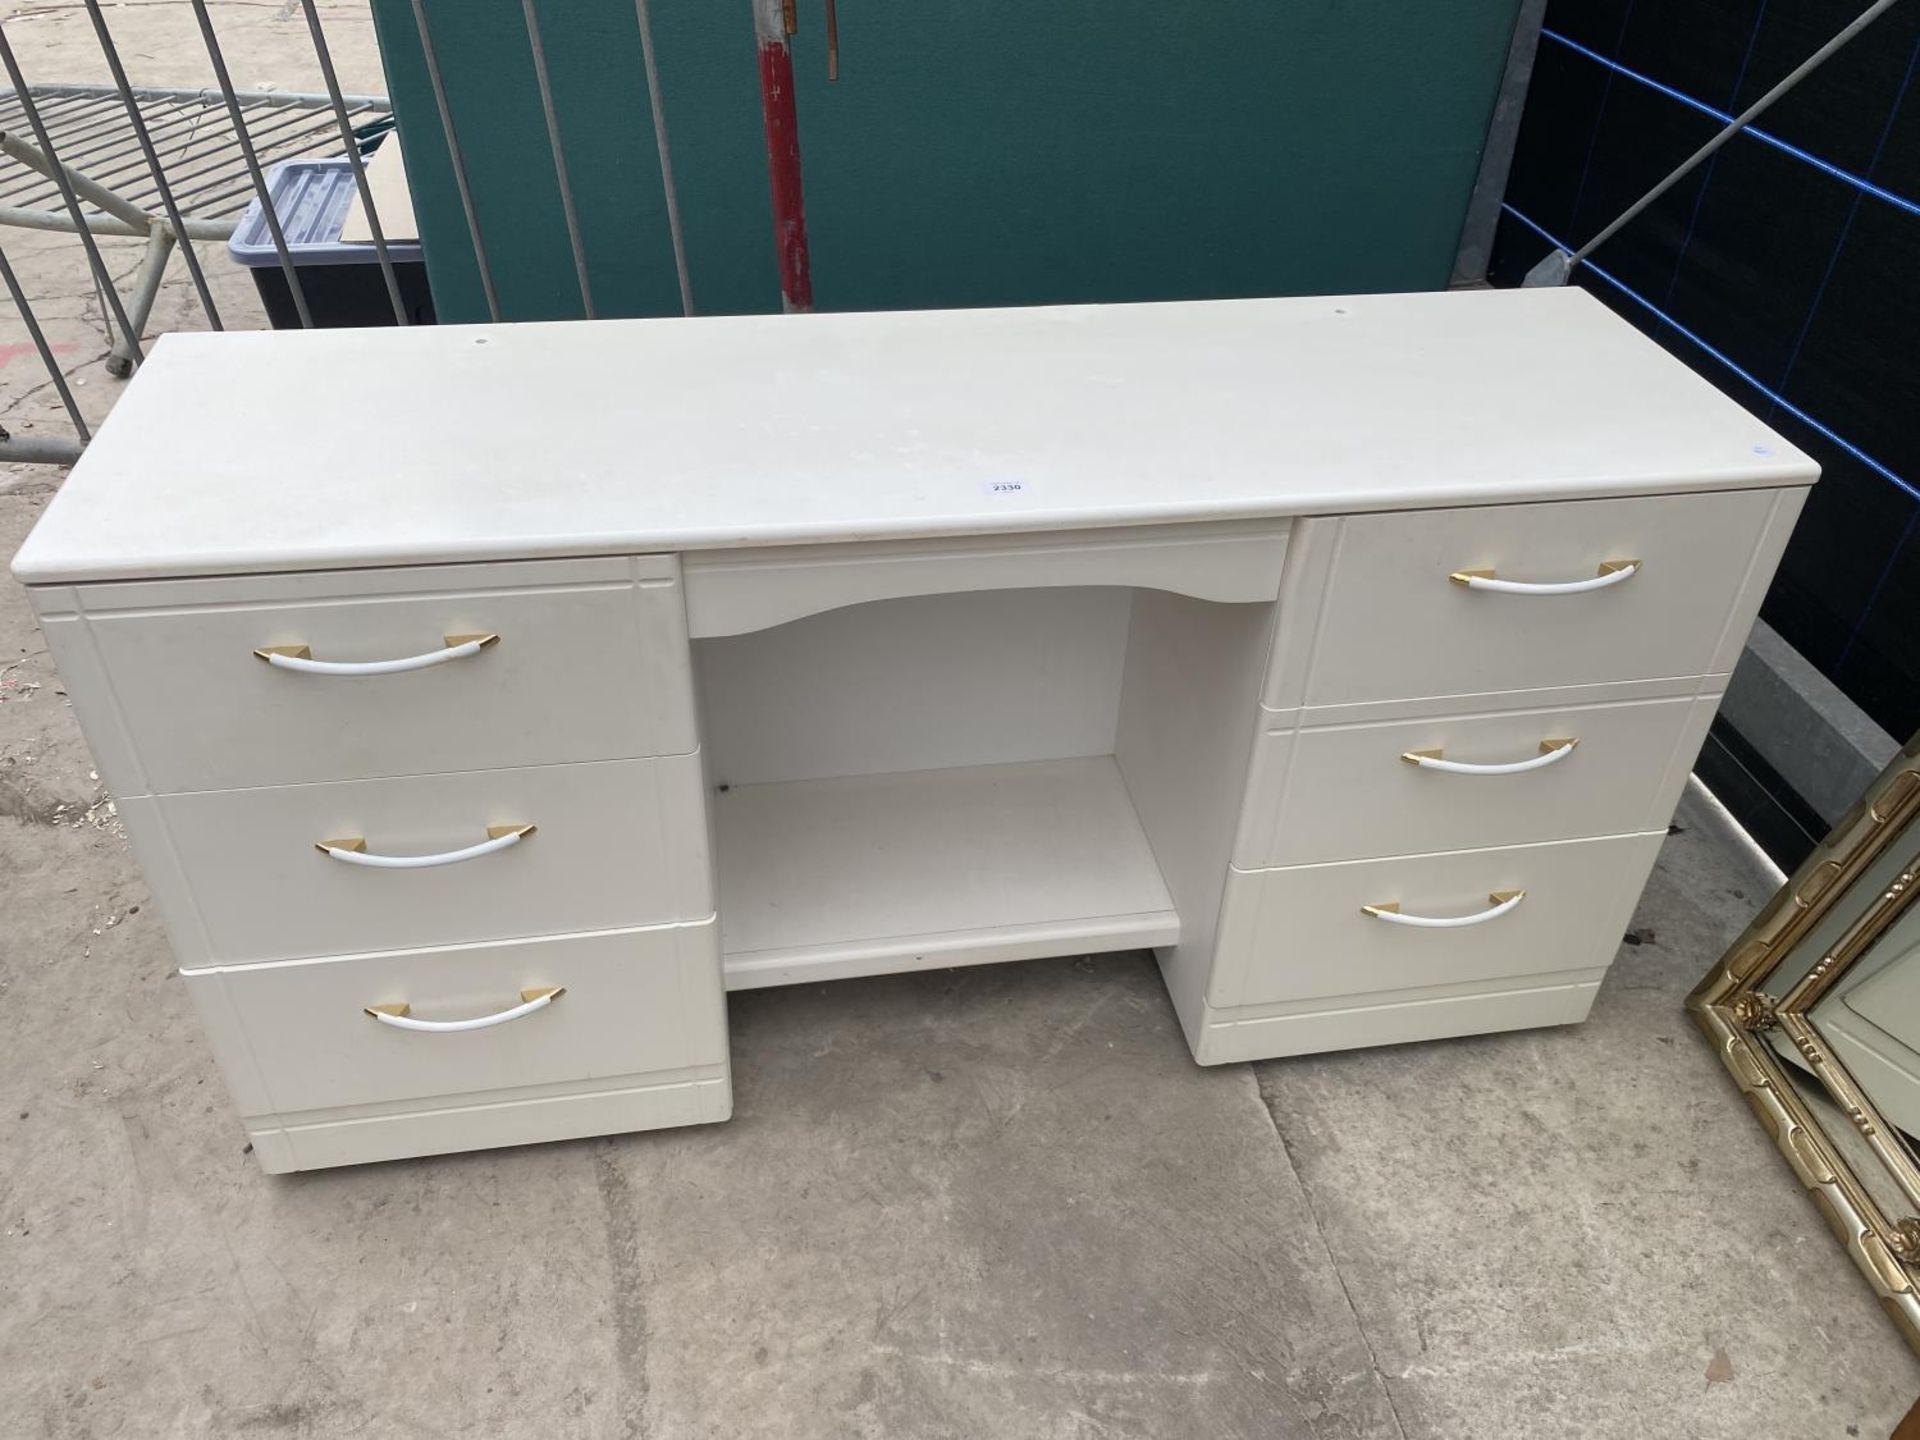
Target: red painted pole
[[783, 156]]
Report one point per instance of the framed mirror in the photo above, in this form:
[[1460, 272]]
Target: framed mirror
[[1815, 1012]]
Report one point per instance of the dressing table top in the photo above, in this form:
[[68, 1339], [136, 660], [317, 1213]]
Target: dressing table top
[[262, 451]]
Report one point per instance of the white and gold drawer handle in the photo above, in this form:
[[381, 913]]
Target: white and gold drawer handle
[[300, 657], [398, 1015], [1612, 572], [1552, 752], [1501, 902], [352, 850]]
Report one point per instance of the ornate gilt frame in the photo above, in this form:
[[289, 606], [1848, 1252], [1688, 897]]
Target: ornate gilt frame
[[1735, 1007]]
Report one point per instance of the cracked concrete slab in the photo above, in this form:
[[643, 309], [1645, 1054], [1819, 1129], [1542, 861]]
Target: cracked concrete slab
[[1563, 1231], [997, 1201]]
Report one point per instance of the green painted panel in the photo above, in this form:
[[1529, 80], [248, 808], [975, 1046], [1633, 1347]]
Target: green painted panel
[[600, 99], [991, 152]]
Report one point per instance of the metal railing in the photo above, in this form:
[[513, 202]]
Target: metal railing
[[177, 167], [79, 174], [113, 163]]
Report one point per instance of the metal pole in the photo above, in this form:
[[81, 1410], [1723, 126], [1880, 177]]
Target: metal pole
[[298, 99], [654, 98], [439, 84], [21, 219], [1496, 156], [351, 144], [541, 79], [267, 208], [782, 122], [94, 259], [38, 449], [32, 322], [1555, 269], [146, 289], [114, 204]]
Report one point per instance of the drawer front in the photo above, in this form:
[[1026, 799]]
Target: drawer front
[[619, 843], [298, 1037], [1395, 626], [1347, 793], [591, 664], [1301, 933]]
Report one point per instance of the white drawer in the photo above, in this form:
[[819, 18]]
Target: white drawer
[[1346, 793], [617, 843], [1395, 626], [591, 664], [297, 1037], [1301, 933]]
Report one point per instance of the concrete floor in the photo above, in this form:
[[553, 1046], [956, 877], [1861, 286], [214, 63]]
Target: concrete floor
[[997, 1202]]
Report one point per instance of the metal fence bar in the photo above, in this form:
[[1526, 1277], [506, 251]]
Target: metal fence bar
[[168, 129], [203, 127], [20, 219], [114, 167], [174, 217], [32, 322], [439, 84], [102, 276], [39, 449], [211, 196], [104, 144], [194, 121], [57, 96], [567, 211], [85, 185], [350, 143], [674, 230], [61, 222], [98, 128], [210, 96], [183, 129], [1558, 266], [268, 210], [280, 129], [90, 115]]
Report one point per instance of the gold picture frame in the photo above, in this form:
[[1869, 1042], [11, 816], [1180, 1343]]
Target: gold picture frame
[[1764, 990]]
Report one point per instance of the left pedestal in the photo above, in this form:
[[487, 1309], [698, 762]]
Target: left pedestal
[[431, 843]]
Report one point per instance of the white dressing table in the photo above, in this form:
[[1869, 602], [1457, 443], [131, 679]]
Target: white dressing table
[[484, 702]]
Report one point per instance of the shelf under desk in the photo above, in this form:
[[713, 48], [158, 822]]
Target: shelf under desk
[[870, 874]]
